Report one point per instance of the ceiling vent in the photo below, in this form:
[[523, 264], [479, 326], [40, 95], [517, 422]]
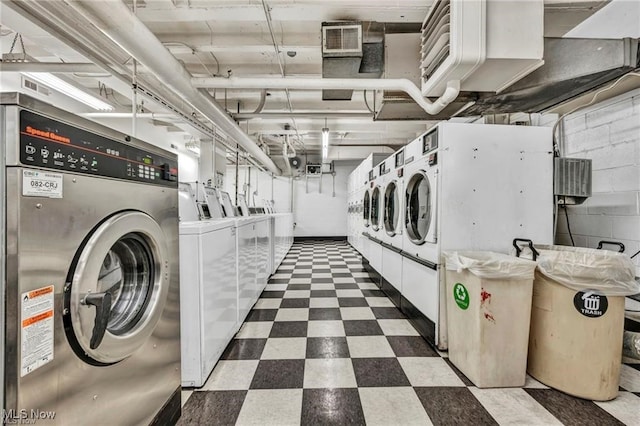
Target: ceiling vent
[[341, 40], [485, 44], [36, 87]]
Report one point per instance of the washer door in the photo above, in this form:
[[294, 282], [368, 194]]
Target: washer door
[[418, 207], [366, 208], [117, 288], [376, 200], [391, 208]]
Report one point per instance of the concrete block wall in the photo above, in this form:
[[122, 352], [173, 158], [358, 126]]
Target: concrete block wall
[[609, 134]]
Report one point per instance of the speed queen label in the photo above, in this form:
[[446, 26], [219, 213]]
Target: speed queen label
[[36, 329], [36, 183]]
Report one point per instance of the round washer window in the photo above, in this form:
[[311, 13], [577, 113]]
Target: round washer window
[[117, 288], [418, 207], [127, 274], [391, 208], [366, 208], [375, 208]]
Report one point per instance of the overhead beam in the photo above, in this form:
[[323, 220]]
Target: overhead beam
[[53, 67], [318, 11]]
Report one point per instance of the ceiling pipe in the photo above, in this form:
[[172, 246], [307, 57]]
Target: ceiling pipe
[[263, 101], [151, 115], [117, 21], [285, 114], [285, 156], [399, 84]]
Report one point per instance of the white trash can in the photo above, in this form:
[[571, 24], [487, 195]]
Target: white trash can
[[488, 313]]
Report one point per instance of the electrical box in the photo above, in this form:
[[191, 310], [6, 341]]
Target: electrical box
[[314, 169], [327, 167]]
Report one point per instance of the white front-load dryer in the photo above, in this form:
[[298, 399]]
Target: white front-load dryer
[[420, 275], [376, 226], [392, 220]]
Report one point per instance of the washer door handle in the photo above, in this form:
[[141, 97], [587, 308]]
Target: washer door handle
[[102, 302]]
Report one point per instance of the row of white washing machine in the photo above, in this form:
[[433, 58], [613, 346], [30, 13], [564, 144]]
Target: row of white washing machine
[[458, 186], [225, 263]]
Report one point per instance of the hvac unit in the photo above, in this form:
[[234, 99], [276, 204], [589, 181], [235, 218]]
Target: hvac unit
[[572, 180], [485, 44], [341, 40]]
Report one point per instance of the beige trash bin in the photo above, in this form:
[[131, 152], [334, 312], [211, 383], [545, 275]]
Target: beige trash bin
[[488, 313], [577, 320]]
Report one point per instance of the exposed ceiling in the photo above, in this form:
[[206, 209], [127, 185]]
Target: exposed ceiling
[[223, 38]]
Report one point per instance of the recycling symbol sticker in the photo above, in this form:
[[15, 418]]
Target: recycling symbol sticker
[[461, 296]]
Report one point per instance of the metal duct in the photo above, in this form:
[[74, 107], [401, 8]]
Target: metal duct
[[116, 21]]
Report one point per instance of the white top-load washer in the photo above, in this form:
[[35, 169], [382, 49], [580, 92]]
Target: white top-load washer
[[392, 223], [469, 187], [208, 290], [254, 258], [208, 296]]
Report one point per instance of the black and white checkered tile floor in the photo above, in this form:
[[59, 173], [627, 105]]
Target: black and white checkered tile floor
[[324, 346]]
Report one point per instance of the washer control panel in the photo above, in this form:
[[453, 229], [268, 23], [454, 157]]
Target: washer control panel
[[55, 145]]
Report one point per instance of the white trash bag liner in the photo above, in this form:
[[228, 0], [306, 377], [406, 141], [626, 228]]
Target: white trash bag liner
[[610, 273], [487, 264]]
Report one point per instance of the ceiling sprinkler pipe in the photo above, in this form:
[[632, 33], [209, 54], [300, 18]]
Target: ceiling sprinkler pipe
[[397, 84]]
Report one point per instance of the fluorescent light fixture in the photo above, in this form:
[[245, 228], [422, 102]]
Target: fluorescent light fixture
[[325, 142], [69, 90]]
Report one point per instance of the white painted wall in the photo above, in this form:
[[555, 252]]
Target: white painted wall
[[316, 213], [609, 134], [321, 214], [261, 187]]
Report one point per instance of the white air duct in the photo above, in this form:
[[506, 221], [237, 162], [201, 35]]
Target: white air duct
[[116, 21]]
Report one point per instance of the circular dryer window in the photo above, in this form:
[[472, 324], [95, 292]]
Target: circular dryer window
[[391, 208], [418, 207], [366, 209], [116, 289], [375, 208]]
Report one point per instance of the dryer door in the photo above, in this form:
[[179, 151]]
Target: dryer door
[[116, 288], [376, 201], [391, 208], [366, 208], [419, 210]]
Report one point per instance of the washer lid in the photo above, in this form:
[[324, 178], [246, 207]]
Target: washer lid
[[117, 288]]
